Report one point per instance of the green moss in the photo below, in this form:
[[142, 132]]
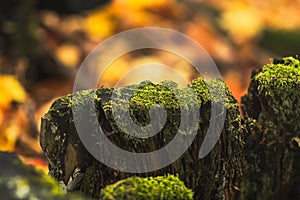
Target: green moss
[[78, 98], [279, 86], [161, 187], [148, 94], [281, 76], [141, 98]]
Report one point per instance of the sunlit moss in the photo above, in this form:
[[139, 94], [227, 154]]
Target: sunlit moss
[[278, 84], [143, 97], [281, 76], [147, 94], [162, 187], [213, 90]]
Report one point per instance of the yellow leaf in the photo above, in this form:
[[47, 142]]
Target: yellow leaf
[[99, 25], [10, 90], [68, 55], [242, 23]]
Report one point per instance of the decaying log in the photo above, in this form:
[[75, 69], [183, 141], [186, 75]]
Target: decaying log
[[215, 176]]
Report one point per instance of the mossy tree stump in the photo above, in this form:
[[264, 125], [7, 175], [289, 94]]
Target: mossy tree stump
[[271, 109], [215, 176]]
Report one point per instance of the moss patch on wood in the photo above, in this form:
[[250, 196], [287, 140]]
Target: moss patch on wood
[[167, 187]]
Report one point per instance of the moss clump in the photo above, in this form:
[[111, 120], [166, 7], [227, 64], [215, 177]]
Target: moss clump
[[280, 76], [211, 90], [157, 188], [279, 85]]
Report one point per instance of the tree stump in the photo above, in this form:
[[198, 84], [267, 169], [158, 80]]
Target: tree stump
[[215, 176], [271, 109]]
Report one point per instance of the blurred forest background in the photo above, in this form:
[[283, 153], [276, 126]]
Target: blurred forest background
[[43, 43]]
